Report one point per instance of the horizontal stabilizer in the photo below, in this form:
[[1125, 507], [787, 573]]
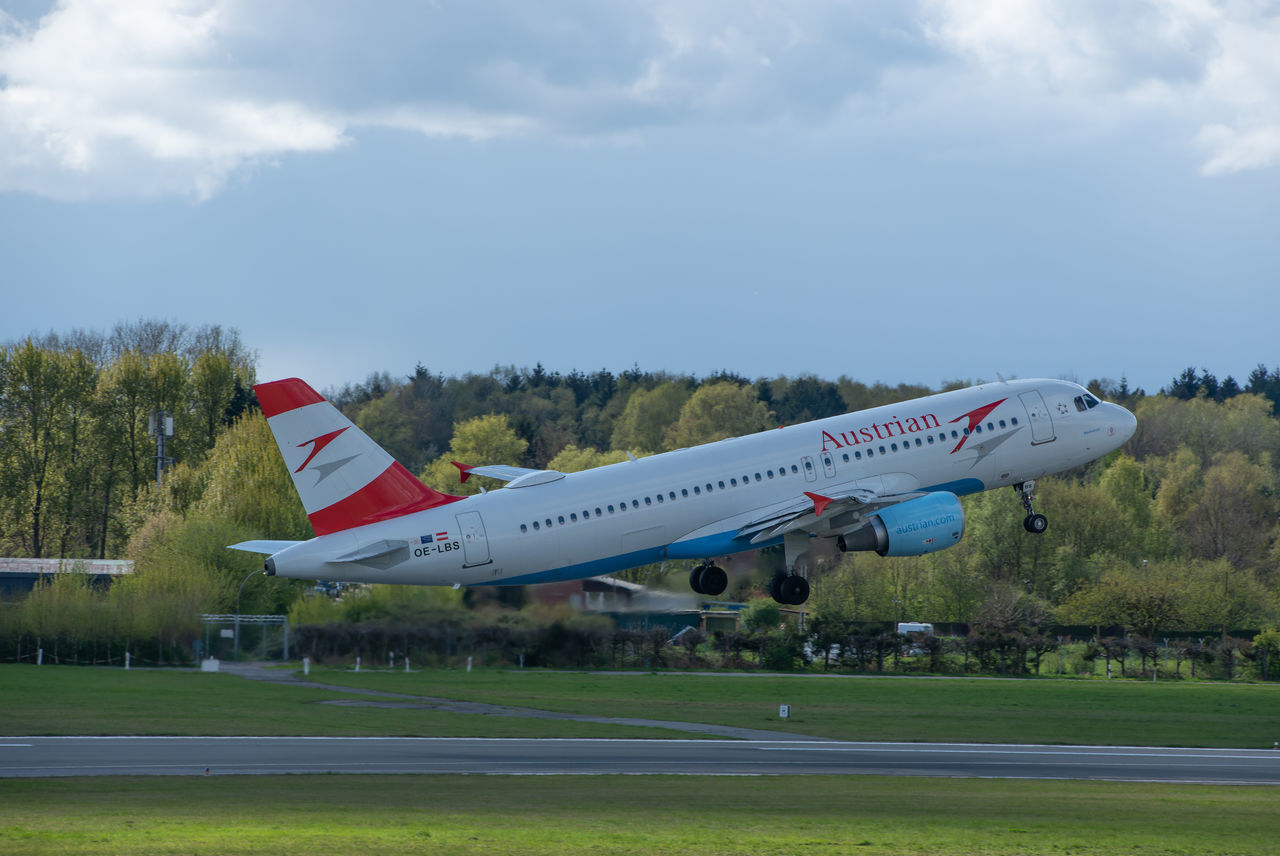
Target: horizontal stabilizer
[[516, 476], [372, 551], [268, 547]]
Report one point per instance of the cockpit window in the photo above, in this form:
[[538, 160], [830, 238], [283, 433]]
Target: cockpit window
[[1086, 402]]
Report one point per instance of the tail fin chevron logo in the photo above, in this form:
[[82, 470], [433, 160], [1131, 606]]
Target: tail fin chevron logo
[[317, 444]]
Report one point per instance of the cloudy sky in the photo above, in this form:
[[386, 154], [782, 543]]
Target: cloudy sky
[[898, 191]]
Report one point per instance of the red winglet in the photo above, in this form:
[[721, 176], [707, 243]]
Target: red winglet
[[820, 502], [463, 470]]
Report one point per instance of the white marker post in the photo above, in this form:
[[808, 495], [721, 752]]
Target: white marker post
[[357, 664], [306, 665], [126, 661], [784, 711]]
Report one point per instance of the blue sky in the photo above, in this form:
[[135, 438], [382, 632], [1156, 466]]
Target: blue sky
[[896, 191]]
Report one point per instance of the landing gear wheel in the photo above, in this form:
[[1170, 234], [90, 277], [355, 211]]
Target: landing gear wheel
[[794, 589], [775, 587], [708, 579], [695, 579], [1035, 523], [713, 581], [790, 589]]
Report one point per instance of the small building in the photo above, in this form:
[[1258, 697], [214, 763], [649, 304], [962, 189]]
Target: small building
[[19, 576]]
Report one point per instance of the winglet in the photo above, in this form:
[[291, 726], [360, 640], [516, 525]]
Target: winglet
[[820, 502], [463, 470]]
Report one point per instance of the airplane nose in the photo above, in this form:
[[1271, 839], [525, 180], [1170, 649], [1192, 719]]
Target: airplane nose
[[1126, 424]]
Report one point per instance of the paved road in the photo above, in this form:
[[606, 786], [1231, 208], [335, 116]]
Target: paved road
[[100, 756]]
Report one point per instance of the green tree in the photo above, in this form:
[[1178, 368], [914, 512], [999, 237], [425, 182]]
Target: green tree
[[717, 411], [574, 460], [648, 415]]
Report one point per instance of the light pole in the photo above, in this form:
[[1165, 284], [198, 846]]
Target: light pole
[[239, 592]]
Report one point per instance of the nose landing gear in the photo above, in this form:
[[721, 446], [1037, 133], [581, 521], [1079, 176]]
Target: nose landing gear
[[1033, 523]]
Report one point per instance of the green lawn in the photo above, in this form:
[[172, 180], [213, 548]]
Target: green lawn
[[565, 816], [1116, 713], [82, 700]]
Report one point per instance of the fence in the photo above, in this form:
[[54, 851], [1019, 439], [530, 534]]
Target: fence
[[260, 637]]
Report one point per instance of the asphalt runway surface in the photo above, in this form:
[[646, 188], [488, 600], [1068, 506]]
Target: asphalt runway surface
[[188, 756]]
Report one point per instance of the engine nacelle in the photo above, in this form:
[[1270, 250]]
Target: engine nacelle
[[912, 528]]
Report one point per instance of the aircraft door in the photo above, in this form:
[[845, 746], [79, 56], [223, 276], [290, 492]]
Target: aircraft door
[[810, 474], [1038, 413], [475, 545]]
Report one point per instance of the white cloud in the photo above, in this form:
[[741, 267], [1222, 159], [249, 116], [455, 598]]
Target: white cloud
[[112, 97]]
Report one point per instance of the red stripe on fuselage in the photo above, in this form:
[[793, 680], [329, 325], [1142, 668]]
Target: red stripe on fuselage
[[394, 493], [281, 396]]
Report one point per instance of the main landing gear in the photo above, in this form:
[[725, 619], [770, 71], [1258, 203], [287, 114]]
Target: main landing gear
[[708, 579], [1033, 523], [791, 589], [788, 587]]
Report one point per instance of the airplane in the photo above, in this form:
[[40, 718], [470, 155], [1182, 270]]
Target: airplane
[[887, 480]]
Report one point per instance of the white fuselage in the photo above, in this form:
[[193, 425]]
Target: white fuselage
[[691, 503]]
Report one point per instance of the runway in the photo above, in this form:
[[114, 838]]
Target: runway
[[190, 756]]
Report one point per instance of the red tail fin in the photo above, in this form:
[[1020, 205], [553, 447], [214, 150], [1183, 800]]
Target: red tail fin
[[343, 478]]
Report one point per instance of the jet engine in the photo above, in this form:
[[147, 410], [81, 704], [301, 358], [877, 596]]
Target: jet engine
[[912, 528]]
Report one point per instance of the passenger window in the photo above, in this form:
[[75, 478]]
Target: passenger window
[[893, 446], [870, 453], [635, 503], [1002, 424], [918, 443], [524, 527], [548, 522], [858, 455], [535, 525], [672, 495], [769, 473], [733, 482], [684, 492], [1014, 420], [598, 513], [648, 500], [697, 491], [978, 429], [794, 468], [757, 477], [561, 519], [573, 517], [708, 487], [930, 439], [611, 509], [659, 497], [808, 465], [782, 471], [845, 455], [882, 451], [721, 485]]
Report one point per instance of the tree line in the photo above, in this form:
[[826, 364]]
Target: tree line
[[1177, 532]]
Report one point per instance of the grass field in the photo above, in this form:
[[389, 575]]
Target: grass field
[[79, 700], [368, 815], [1116, 713]]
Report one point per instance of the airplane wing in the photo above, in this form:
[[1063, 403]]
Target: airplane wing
[[514, 476], [819, 514]]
